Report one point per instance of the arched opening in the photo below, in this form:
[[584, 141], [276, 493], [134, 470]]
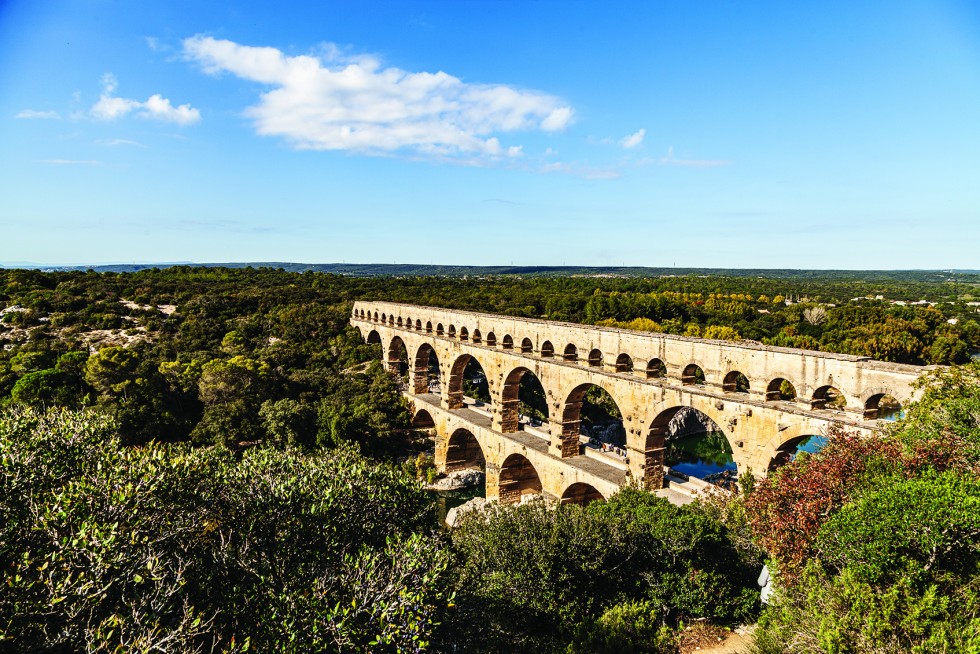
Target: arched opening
[[789, 450], [428, 328], [624, 363], [384, 318], [423, 420], [391, 321], [571, 353], [656, 369], [507, 343], [375, 316], [477, 336], [595, 358], [439, 330], [523, 402], [418, 325], [399, 321], [547, 350], [398, 359], [581, 493], [468, 379], [518, 479], [688, 442], [452, 331], [693, 375], [591, 413], [373, 337], [464, 334], [527, 347], [491, 340], [780, 389], [828, 397], [883, 407], [464, 452], [735, 382], [426, 371]]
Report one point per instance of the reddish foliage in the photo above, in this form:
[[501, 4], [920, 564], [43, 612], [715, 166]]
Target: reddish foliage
[[788, 508]]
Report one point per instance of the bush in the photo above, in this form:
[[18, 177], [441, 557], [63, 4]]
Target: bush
[[168, 548]]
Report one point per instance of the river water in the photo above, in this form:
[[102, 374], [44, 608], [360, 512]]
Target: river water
[[700, 455], [445, 500]]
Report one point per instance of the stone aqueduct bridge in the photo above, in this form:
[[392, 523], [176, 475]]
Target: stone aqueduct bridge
[[650, 376]]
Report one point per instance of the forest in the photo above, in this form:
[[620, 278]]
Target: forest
[[209, 459]]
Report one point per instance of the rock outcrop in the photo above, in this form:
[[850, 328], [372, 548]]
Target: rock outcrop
[[457, 512], [688, 421], [458, 480]]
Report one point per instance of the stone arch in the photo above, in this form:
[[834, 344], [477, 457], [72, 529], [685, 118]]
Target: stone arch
[[456, 379], [595, 358], [571, 353], [517, 479], [507, 342], [882, 406], [581, 493], [425, 371], [780, 389], [571, 418], [655, 448], [828, 397], [656, 369], [464, 334], [375, 316], [398, 357], [452, 331], [477, 336], [510, 406], [624, 363], [399, 321], [439, 330], [384, 318], [693, 375], [373, 337], [463, 451], [423, 420], [788, 450], [428, 327], [735, 382], [418, 326], [547, 350], [491, 340], [391, 321], [527, 347]]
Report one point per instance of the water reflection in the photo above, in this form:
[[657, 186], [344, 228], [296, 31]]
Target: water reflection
[[445, 500], [700, 455]]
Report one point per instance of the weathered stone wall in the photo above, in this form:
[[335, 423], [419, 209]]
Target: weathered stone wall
[[858, 378], [754, 426]]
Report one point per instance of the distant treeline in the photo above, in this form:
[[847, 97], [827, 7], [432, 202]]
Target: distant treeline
[[428, 270]]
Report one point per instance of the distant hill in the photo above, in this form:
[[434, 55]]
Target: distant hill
[[421, 270]]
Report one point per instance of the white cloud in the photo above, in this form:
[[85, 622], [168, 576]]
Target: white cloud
[[669, 160], [31, 114], [114, 142], [70, 162], [634, 139], [157, 107], [333, 101]]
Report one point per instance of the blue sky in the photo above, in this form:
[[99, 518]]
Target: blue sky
[[709, 134]]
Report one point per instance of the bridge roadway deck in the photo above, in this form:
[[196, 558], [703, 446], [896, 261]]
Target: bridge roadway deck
[[580, 466]]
